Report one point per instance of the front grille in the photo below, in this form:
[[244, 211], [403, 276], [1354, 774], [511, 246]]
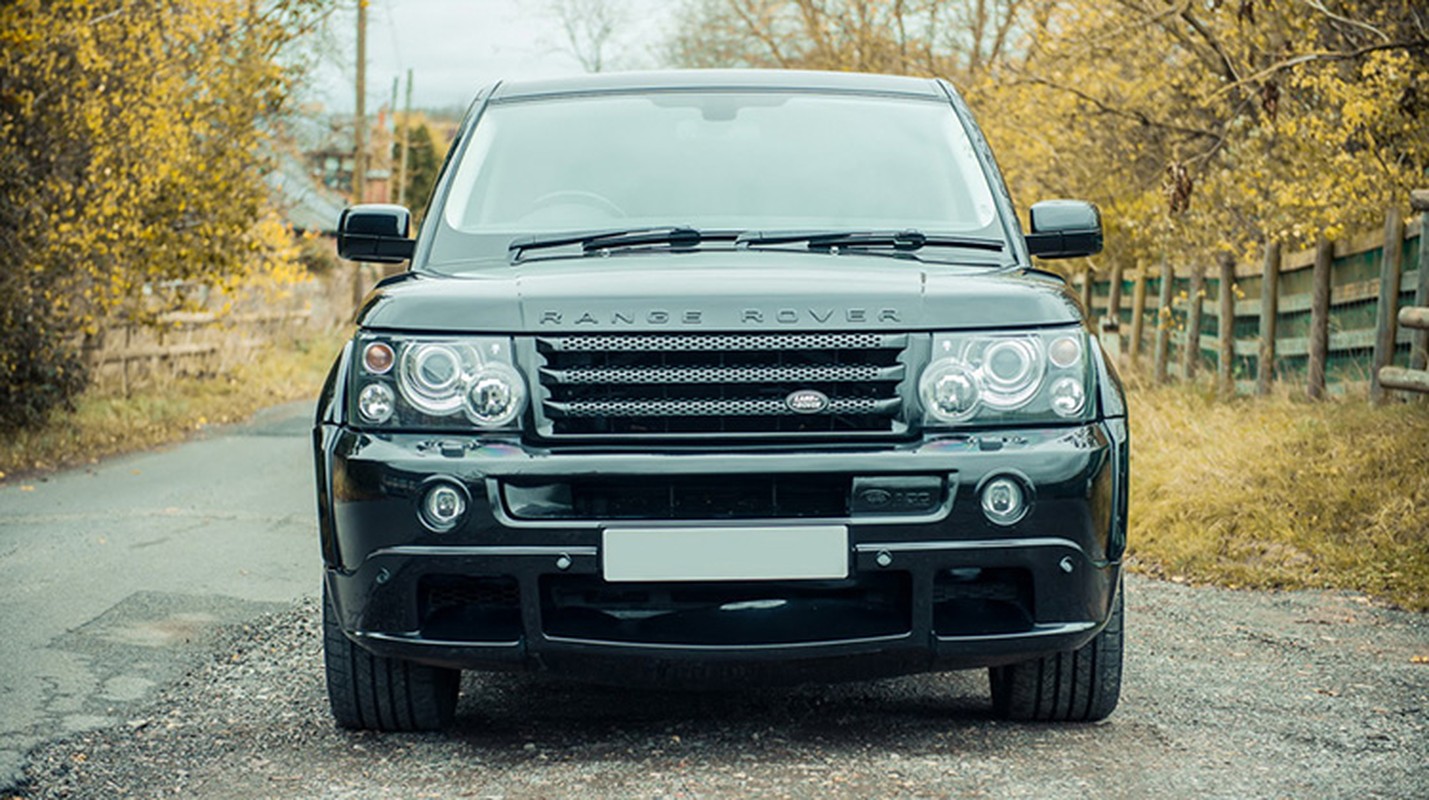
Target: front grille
[[727, 614], [681, 497], [736, 384]]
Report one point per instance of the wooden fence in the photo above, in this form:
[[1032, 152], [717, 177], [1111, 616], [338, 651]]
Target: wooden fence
[[123, 355], [1326, 318]]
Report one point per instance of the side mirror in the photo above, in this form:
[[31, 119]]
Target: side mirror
[[375, 232], [1064, 229]]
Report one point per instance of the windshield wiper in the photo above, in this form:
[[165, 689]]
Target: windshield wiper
[[675, 236], [904, 241]]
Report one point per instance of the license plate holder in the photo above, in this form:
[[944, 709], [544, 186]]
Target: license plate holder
[[796, 552]]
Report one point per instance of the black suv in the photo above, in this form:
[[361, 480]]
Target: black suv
[[700, 377]]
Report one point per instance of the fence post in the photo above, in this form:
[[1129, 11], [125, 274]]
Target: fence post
[[1113, 299], [1087, 292], [1138, 310], [1319, 319], [1269, 317], [1386, 323], [1419, 349], [1192, 355], [1225, 367], [1163, 319], [124, 366]]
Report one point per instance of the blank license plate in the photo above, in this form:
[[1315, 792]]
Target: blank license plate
[[725, 554]]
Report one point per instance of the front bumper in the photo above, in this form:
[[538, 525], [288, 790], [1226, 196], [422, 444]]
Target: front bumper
[[938, 587]]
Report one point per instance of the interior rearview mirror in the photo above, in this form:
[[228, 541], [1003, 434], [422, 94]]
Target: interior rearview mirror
[[375, 232], [1064, 229]]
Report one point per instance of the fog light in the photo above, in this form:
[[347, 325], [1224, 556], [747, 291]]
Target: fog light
[[376, 403], [1004, 501], [443, 507]]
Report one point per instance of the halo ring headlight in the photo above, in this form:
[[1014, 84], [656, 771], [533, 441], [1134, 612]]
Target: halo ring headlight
[[435, 368], [1012, 370], [1006, 376], [1009, 362], [432, 376]]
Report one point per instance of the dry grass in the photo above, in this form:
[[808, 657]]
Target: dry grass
[[106, 423], [1281, 493]]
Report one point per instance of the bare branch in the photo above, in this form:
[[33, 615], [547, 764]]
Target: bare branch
[[1327, 55], [760, 33], [589, 26], [1126, 113], [1225, 60], [1320, 7]]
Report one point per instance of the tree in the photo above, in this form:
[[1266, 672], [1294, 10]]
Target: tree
[[1227, 124], [131, 141], [423, 163], [589, 26], [1196, 126]]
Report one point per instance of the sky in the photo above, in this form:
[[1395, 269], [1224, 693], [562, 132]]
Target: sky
[[455, 47]]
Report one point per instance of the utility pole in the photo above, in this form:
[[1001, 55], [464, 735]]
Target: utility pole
[[359, 124], [406, 143], [359, 137], [388, 157]]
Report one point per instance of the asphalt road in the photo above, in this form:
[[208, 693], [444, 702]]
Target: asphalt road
[[158, 637], [114, 576]]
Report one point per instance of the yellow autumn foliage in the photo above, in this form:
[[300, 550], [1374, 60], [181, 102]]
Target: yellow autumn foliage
[[132, 156], [1196, 126]]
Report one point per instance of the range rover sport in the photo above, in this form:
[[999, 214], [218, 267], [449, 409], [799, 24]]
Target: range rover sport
[[698, 377]]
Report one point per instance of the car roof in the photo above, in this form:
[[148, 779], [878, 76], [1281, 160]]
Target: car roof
[[717, 79]]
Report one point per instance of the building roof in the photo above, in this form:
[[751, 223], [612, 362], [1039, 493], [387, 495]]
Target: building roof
[[305, 203]]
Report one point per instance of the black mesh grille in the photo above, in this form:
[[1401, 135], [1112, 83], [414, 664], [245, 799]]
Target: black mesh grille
[[443, 591], [727, 614], [722, 342], [682, 497], [736, 374], [461, 608], [672, 384]]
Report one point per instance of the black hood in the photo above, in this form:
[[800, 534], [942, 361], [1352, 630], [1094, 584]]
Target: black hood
[[719, 291]]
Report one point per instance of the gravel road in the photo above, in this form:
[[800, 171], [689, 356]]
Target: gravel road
[[1228, 694]]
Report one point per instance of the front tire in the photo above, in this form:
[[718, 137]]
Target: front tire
[[370, 692], [1081, 686]]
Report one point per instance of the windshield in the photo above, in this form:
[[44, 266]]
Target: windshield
[[736, 161]]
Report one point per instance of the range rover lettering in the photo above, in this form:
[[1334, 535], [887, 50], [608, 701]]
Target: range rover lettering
[[710, 377]]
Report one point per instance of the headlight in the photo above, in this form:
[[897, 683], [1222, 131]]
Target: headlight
[[1012, 370], [1034, 376], [428, 382], [375, 403], [950, 391], [495, 396], [432, 376]]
